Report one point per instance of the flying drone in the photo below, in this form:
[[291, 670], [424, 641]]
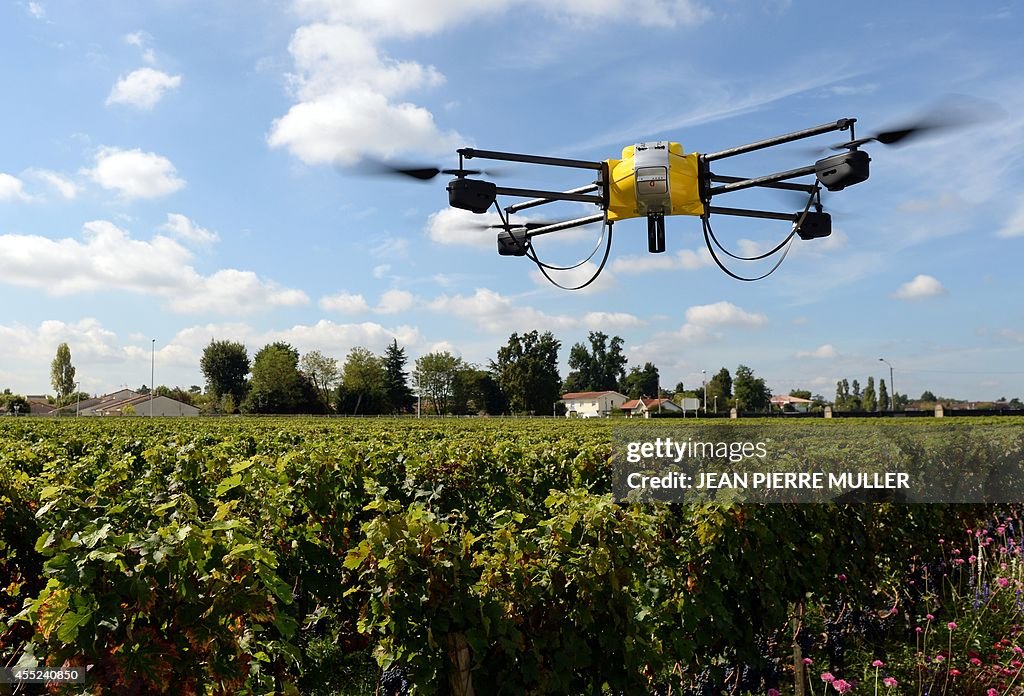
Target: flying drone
[[659, 179]]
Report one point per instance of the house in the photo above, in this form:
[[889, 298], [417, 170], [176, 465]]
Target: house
[[791, 403], [643, 408], [592, 404], [142, 405]]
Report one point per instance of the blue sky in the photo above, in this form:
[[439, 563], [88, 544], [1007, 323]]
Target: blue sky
[[181, 171]]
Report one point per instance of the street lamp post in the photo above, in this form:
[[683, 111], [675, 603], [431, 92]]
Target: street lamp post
[[892, 386], [703, 380], [152, 377], [78, 398], [716, 403]]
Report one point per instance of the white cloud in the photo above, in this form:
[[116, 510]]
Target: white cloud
[[36, 9], [1014, 225], [134, 173], [723, 314], [351, 99], [611, 320], [381, 270], [345, 303], [921, 287], [684, 259], [12, 188], [395, 301], [107, 258], [457, 227], [64, 186], [496, 313], [338, 339], [142, 88], [185, 229], [822, 352]]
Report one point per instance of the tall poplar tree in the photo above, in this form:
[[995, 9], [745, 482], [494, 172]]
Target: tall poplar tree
[[62, 373]]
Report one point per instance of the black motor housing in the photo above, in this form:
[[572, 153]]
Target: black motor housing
[[471, 194], [839, 171]]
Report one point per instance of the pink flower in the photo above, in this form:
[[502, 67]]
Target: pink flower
[[954, 672], [827, 677], [774, 692], [889, 681], [842, 686], [919, 629], [808, 661], [972, 559], [1002, 582], [951, 625], [991, 692], [940, 658], [841, 577], [929, 617], [975, 661], [878, 663]]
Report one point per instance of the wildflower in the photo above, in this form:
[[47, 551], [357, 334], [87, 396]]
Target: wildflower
[[929, 617], [951, 625], [1002, 582], [919, 629], [940, 658], [842, 686], [808, 661], [972, 559], [889, 681], [976, 662], [774, 692], [841, 577], [878, 663], [991, 692], [827, 677], [1017, 649], [954, 672]]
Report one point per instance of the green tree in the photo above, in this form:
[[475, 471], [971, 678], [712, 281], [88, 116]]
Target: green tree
[[526, 370], [14, 404], [601, 368], [277, 386], [322, 373], [750, 392], [225, 364], [642, 381], [883, 396], [481, 393], [62, 373], [396, 383], [720, 385], [928, 396], [437, 377], [868, 400], [363, 383], [801, 393]]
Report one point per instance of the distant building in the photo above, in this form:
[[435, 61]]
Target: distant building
[[643, 408], [142, 405], [794, 403], [593, 404]]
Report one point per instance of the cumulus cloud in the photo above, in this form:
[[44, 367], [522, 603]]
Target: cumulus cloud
[[12, 188], [703, 322], [497, 313], [682, 260], [181, 227], [345, 303], [352, 100], [921, 287], [36, 9], [108, 258], [822, 352], [142, 88], [395, 301], [61, 184], [134, 174]]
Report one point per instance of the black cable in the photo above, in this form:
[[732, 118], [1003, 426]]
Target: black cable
[[604, 260], [781, 244], [707, 241], [569, 268]]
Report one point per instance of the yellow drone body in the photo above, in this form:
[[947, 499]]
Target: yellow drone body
[[653, 179]]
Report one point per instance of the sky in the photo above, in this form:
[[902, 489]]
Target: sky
[[176, 171]]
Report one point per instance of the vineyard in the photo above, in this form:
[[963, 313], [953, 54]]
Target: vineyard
[[484, 556]]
